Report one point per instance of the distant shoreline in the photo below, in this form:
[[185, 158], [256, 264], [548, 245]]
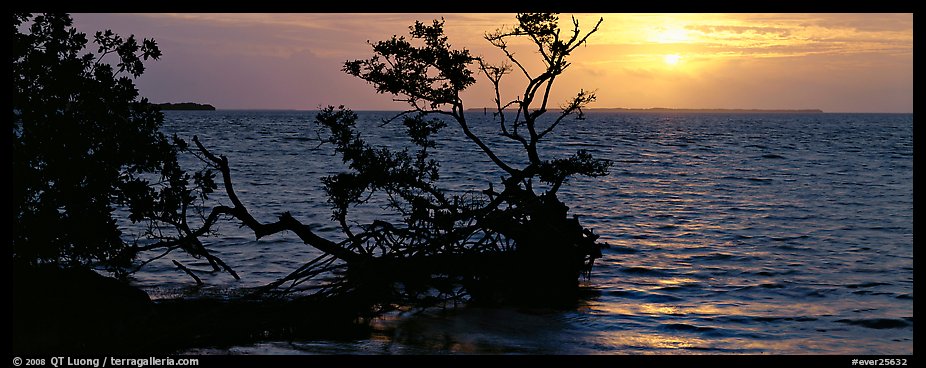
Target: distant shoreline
[[712, 111], [186, 106], [613, 110], [690, 111]]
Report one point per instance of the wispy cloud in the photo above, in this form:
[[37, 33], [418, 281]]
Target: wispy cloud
[[731, 60], [787, 34]]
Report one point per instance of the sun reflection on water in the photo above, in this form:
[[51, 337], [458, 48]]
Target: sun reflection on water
[[729, 234], [654, 343]]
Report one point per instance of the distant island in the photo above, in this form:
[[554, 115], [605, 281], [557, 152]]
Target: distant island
[[689, 111], [185, 106]]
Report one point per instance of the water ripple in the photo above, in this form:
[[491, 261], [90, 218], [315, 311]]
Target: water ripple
[[781, 234]]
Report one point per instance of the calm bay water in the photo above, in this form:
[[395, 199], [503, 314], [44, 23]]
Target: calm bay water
[[729, 234]]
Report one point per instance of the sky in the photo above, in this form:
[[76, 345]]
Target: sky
[[835, 62]]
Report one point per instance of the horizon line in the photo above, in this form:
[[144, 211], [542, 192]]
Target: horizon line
[[601, 109]]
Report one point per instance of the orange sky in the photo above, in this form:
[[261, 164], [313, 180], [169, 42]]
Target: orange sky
[[834, 62]]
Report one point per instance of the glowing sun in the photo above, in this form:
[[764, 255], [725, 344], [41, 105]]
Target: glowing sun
[[672, 59]]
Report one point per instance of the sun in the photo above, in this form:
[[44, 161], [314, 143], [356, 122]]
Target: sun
[[672, 59]]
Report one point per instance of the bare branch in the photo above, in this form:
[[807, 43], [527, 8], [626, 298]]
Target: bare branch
[[285, 222], [581, 100], [582, 41], [179, 265], [498, 40]]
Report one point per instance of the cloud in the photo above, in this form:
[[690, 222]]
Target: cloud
[[730, 60], [767, 31]]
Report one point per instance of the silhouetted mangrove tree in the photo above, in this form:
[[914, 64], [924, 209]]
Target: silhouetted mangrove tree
[[85, 144], [510, 243]]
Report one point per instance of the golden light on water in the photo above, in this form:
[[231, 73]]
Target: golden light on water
[[688, 342], [676, 281], [667, 343]]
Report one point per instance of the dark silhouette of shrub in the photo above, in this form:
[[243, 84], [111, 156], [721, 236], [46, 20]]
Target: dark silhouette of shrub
[[86, 145], [87, 148], [513, 245]]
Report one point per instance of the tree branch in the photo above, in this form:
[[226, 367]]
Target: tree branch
[[188, 272], [285, 222]]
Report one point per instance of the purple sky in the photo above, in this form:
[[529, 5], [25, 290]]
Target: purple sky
[[835, 62]]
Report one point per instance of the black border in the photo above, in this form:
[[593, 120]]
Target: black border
[[476, 6], [481, 6]]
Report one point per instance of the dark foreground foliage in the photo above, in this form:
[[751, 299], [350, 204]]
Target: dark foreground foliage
[[84, 145], [78, 312]]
